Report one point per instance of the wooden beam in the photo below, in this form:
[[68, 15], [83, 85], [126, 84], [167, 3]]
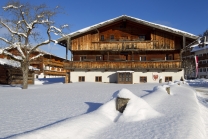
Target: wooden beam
[[67, 47], [184, 41]]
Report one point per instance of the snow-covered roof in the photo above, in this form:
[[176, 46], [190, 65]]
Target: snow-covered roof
[[197, 48], [16, 64], [137, 20], [37, 50]]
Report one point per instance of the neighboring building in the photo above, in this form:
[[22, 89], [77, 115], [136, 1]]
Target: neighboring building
[[126, 50], [48, 65], [200, 50]]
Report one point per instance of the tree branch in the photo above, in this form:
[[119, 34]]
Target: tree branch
[[5, 40], [43, 43], [16, 58], [11, 31], [39, 55]]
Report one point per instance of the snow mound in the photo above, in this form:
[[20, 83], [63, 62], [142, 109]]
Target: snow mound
[[137, 109], [86, 125], [160, 88]]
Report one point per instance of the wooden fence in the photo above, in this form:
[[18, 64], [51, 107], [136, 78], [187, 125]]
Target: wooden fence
[[10, 75]]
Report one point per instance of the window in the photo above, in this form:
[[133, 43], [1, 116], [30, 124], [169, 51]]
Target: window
[[204, 69], [81, 78], [143, 79], [125, 77], [141, 37], [142, 58], [82, 58], [168, 78], [98, 78], [102, 38], [98, 58], [200, 70], [111, 37], [169, 57]]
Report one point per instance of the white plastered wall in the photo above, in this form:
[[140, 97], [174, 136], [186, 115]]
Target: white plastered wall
[[175, 74], [111, 76], [107, 76]]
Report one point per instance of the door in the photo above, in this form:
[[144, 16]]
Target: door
[[125, 78]]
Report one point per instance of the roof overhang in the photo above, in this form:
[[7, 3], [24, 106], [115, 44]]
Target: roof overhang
[[133, 19]]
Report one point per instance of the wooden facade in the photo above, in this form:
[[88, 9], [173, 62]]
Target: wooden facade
[[10, 75], [126, 43], [48, 64]]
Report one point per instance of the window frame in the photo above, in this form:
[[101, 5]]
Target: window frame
[[81, 78], [143, 79], [170, 78], [98, 78], [112, 37], [82, 58], [100, 58], [102, 37], [143, 58]]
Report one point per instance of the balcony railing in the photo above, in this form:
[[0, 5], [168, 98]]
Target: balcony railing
[[122, 65], [202, 65], [55, 73], [53, 63], [203, 57], [126, 45]]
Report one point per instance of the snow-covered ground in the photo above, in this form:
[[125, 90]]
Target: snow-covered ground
[[87, 110]]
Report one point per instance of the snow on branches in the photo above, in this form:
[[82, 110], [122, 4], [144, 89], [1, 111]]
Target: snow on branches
[[28, 21], [10, 7]]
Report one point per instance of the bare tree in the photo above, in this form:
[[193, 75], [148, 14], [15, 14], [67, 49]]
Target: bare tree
[[26, 25]]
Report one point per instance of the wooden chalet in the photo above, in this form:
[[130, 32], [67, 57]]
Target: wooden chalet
[[197, 49], [47, 65], [125, 50]]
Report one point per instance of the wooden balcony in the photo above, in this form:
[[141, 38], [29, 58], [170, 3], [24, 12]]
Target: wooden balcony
[[55, 73], [35, 62], [53, 63], [122, 65], [126, 45]]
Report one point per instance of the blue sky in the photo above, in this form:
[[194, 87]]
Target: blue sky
[[187, 15]]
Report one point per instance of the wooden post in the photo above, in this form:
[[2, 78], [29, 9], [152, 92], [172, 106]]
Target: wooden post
[[67, 78], [33, 78], [67, 47], [184, 41], [168, 90]]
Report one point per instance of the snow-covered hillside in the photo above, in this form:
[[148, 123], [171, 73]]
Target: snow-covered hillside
[[87, 110]]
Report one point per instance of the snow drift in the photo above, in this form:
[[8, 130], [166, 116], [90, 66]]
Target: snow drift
[[85, 125]]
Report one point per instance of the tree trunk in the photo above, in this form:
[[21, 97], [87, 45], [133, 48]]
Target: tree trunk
[[25, 69]]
